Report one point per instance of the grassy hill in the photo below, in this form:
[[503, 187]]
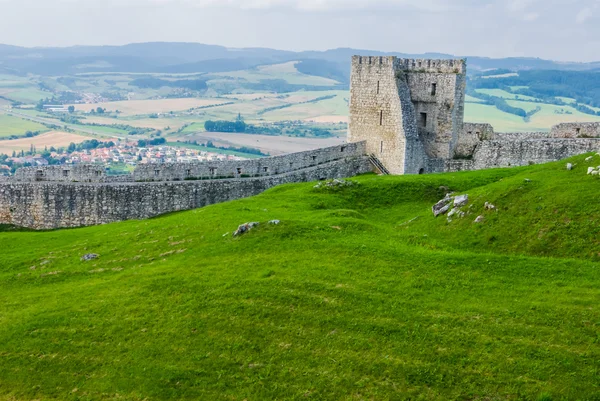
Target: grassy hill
[[359, 293]]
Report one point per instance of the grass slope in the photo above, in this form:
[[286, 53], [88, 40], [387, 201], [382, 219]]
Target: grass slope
[[349, 297]]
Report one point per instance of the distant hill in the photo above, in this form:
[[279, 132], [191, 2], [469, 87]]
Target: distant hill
[[162, 57]]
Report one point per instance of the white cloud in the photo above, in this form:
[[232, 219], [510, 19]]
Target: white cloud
[[585, 14]]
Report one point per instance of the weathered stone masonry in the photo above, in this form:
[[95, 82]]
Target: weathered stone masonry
[[410, 113], [406, 113], [48, 204]]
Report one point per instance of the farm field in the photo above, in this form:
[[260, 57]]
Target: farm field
[[47, 139], [505, 95], [10, 125], [137, 107], [359, 293], [213, 149], [285, 71], [273, 145]]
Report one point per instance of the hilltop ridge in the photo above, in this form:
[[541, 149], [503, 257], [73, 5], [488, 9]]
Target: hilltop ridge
[[359, 293]]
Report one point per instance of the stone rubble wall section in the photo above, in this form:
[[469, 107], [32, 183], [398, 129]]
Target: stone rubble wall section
[[495, 153], [51, 205], [576, 130], [63, 173], [470, 136], [520, 136], [247, 168]]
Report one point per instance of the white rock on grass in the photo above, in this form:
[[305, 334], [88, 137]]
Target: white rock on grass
[[590, 169], [595, 172], [479, 219], [587, 159], [569, 166], [489, 206], [442, 206], [461, 200]]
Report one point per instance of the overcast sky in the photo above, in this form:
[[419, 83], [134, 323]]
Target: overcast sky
[[553, 29]]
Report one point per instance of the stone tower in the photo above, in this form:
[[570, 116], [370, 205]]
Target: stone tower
[[409, 112]]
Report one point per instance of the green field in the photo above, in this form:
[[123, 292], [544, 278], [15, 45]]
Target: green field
[[286, 71], [359, 294], [504, 94], [10, 125]]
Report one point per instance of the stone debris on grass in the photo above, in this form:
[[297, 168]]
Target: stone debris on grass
[[489, 206], [244, 228], [587, 159], [275, 222], [590, 170], [335, 183], [443, 206], [450, 204], [479, 219], [90, 256], [461, 200], [569, 166]]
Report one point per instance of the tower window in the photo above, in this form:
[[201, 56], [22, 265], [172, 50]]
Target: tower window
[[577, 131], [423, 120], [378, 87], [433, 89], [381, 117], [381, 147]]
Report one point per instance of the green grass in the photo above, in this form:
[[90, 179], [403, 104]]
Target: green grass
[[348, 298], [504, 94], [286, 71], [10, 125]]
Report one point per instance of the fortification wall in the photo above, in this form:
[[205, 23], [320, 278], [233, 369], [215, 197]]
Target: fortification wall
[[576, 130], [406, 110], [520, 136], [63, 173], [49, 205], [502, 153], [470, 136], [438, 99], [247, 168], [376, 112]]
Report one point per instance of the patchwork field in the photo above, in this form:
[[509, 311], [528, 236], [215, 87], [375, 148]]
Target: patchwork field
[[10, 125], [48, 139], [137, 107], [285, 71], [273, 145]]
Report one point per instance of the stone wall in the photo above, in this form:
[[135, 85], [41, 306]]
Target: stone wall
[[49, 205], [520, 136], [247, 168], [576, 130], [470, 136], [63, 173], [498, 153]]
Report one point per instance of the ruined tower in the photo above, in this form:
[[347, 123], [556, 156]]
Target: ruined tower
[[409, 112]]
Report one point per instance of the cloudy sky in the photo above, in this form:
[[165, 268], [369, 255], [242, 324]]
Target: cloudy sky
[[554, 29]]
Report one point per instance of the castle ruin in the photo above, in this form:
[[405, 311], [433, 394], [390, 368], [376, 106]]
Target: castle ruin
[[406, 117], [409, 112]]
